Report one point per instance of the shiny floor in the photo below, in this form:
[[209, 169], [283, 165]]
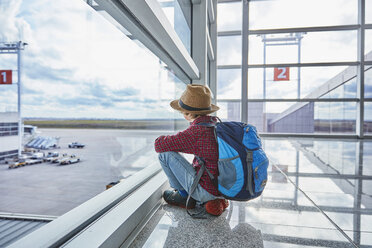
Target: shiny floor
[[319, 195]]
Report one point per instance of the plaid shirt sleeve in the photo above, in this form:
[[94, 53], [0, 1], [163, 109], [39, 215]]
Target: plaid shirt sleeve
[[181, 142], [196, 140]]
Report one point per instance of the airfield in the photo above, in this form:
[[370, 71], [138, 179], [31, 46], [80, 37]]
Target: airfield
[[50, 189]]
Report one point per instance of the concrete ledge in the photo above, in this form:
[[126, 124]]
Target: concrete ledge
[[118, 227], [59, 231]]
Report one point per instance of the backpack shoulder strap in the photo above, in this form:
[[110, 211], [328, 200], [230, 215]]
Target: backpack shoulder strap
[[199, 215]]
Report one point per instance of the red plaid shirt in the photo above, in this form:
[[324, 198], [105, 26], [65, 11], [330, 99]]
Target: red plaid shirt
[[197, 140]]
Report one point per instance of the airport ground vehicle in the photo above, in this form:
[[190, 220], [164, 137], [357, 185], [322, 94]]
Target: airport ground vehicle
[[17, 164], [57, 159], [71, 160], [33, 161], [37, 155], [75, 145], [50, 156]]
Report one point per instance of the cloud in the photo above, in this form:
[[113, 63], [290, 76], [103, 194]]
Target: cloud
[[36, 70], [128, 91]]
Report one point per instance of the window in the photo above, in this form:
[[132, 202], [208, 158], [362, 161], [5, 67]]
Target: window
[[302, 71], [8, 129]]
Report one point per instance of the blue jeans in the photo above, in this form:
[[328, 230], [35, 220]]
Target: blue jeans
[[181, 175]]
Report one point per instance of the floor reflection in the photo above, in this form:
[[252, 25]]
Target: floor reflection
[[335, 174], [318, 195]]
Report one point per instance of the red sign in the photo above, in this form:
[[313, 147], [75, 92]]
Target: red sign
[[281, 74], [5, 76]]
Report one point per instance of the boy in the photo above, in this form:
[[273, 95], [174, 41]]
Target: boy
[[195, 105]]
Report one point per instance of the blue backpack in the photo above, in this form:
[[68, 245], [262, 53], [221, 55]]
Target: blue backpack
[[242, 163]]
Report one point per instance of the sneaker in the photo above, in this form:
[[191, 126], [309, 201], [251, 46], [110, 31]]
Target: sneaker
[[172, 197], [215, 207], [225, 203]]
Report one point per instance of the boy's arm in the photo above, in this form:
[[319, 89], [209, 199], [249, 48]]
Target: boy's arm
[[181, 142]]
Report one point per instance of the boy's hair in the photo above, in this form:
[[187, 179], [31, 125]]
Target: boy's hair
[[194, 116]]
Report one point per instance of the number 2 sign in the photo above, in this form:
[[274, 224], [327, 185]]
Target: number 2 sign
[[5, 77], [281, 74]]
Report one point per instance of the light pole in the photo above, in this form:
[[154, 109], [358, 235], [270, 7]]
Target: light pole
[[16, 48], [290, 39]]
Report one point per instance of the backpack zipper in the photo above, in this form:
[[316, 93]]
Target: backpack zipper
[[249, 172], [256, 169]]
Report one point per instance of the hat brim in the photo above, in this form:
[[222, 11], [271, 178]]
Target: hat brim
[[175, 105]]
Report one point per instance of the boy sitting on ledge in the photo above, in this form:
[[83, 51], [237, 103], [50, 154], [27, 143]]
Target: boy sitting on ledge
[[195, 105]]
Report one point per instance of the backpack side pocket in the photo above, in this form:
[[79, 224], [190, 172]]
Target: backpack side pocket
[[231, 176]]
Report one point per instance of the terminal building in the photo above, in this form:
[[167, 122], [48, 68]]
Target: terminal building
[[8, 135], [300, 71]]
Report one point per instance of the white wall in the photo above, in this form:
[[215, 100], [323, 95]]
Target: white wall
[[8, 143], [8, 117]]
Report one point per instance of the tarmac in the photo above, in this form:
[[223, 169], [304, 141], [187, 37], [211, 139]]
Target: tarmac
[[50, 189]]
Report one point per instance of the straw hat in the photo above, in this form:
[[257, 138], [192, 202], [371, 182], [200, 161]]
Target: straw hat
[[196, 99]]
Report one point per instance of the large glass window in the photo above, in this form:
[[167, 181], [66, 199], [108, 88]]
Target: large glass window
[[229, 110], [326, 53], [229, 83], [368, 11], [368, 45], [86, 81], [304, 48], [301, 13], [179, 15], [229, 16], [229, 50], [313, 82], [368, 82], [368, 117]]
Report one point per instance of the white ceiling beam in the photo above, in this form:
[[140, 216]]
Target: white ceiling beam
[[152, 18]]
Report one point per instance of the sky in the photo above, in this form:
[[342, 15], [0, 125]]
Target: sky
[[78, 65]]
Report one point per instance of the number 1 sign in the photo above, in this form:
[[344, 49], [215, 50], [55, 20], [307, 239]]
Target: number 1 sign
[[5, 77], [281, 74]]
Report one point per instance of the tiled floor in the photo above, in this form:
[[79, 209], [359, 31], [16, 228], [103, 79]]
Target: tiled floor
[[325, 201]]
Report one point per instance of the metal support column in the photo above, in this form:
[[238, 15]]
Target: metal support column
[[199, 39], [213, 63], [360, 70], [358, 190], [245, 46], [20, 129], [295, 200], [299, 36]]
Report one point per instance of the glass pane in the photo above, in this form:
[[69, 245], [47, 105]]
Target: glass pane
[[368, 118], [229, 84], [300, 13], [313, 47], [180, 18], [81, 72], [229, 16], [229, 111], [302, 117], [368, 82], [369, 11], [368, 45], [229, 50], [315, 82], [337, 117]]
